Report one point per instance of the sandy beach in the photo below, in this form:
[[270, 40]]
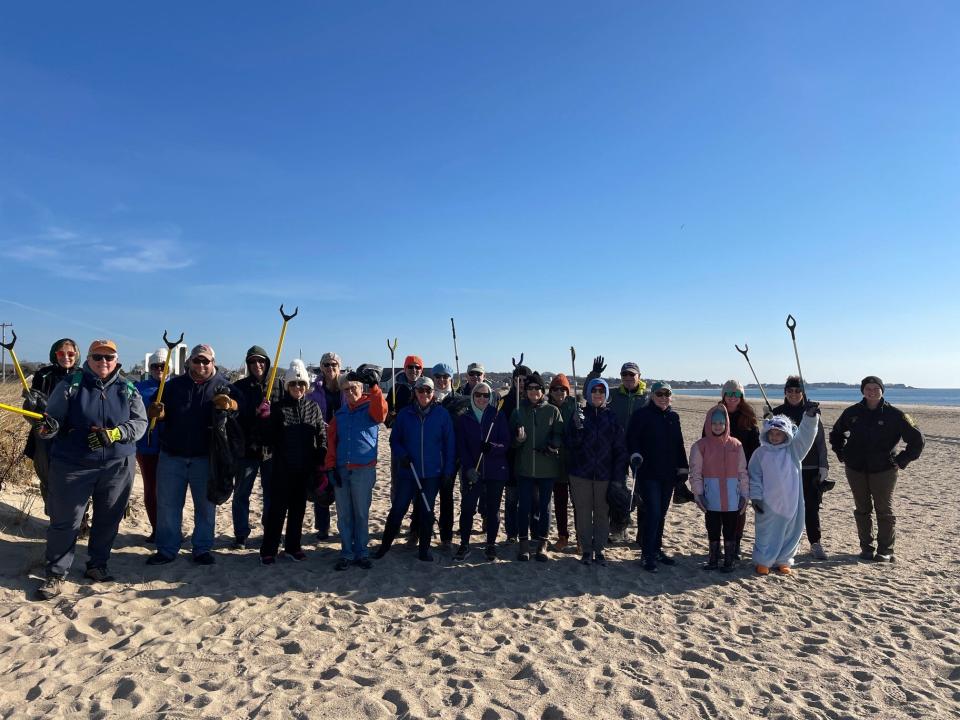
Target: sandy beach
[[838, 639]]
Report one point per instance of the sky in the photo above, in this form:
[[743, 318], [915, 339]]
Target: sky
[[653, 182]]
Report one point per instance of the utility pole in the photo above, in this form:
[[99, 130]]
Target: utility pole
[[3, 350]]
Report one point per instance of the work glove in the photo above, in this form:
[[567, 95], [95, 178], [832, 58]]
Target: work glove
[[577, 419], [48, 427], [599, 366], [406, 462], [811, 408], [742, 506], [155, 411], [757, 506], [369, 374], [263, 410], [102, 437], [34, 401], [521, 434], [699, 500], [901, 461], [222, 401], [486, 447], [636, 460], [471, 477]]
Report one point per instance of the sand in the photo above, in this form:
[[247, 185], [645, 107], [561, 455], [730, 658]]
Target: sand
[[838, 639]]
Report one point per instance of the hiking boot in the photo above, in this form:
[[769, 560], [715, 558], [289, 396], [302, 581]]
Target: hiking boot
[[298, 556], [665, 559], [462, 552], [816, 549], [51, 586], [599, 559], [729, 557], [866, 554], [523, 552], [763, 570], [490, 552], [341, 564], [239, 543], [561, 543], [381, 552], [159, 559], [268, 560], [713, 561], [425, 555], [586, 558], [650, 565], [204, 559], [363, 563], [541, 553], [884, 557], [98, 574]]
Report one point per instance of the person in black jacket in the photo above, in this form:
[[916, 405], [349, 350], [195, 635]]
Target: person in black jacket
[[656, 448], [815, 468], [296, 434], [864, 439]]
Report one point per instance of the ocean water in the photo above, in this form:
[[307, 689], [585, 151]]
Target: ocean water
[[895, 396]]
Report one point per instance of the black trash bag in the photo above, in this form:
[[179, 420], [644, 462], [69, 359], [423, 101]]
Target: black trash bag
[[319, 488], [227, 448], [681, 493], [620, 500]]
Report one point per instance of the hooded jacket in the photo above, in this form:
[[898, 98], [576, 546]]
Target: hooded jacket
[[775, 469], [596, 451], [252, 393], [544, 429], [623, 402], [425, 435], [655, 434], [44, 381], [718, 466], [471, 434]]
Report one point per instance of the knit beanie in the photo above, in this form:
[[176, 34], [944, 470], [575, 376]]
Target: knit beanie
[[732, 386], [560, 380], [872, 379], [297, 372], [413, 360], [535, 379], [793, 382]]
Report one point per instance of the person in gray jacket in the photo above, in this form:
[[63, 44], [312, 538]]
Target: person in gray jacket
[[94, 417]]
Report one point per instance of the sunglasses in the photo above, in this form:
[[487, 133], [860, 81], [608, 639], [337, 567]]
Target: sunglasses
[[733, 393], [97, 357], [441, 377], [474, 373], [598, 391], [414, 367], [256, 361], [484, 395], [200, 361], [794, 391], [663, 393], [156, 366], [297, 383], [534, 388], [558, 387], [66, 353], [628, 374], [331, 365], [425, 390]]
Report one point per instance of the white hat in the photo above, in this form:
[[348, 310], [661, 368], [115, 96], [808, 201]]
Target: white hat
[[297, 372], [158, 356]]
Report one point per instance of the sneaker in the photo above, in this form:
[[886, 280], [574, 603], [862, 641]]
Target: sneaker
[[159, 559], [784, 569], [342, 564], [866, 554], [665, 559], [363, 563], [204, 559], [816, 549], [425, 556], [884, 557], [490, 552], [298, 556], [763, 570], [50, 587], [599, 559], [268, 560], [98, 574], [239, 543], [586, 558], [462, 553]]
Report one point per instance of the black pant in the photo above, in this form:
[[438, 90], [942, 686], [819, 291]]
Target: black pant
[[811, 501], [489, 493], [288, 501], [717, 521], [445, 523]]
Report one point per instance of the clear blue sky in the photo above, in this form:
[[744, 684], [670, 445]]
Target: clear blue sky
[[649, 181]]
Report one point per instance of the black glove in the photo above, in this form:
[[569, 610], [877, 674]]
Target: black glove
[[768, 414], [486, 447], [839, 454], [471, 477], [34, 401], [48, 427], [405, 462], [369, 374], [901, 461], [598, 365], [681, 493], [811, 408], [757, 506]]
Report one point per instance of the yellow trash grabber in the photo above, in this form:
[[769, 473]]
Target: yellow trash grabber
[[20, 411], [163, 380], [276, 360], [16, 363]]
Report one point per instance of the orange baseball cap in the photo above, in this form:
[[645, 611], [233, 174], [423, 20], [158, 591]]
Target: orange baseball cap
[[102, 345]]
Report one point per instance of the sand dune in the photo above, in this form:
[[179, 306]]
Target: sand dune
[[485, 640]]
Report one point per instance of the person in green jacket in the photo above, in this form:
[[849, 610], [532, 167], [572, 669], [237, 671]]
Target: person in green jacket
[[538, 435], [561, 398]]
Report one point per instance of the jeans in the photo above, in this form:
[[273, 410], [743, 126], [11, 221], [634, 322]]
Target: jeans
[[510, 503], [240, 506], [656, 496], [71, 486], [488, 493], [174, 475], [534, 496], [354, 496], [407, 492]]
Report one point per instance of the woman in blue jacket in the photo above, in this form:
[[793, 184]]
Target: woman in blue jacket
[[483, 436], [423, 446]]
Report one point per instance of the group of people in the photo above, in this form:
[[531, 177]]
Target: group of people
[[538, 446]]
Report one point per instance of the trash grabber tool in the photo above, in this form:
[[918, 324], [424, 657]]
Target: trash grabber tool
[[573, 367], [163, 380], [276, 360], [489, 430], [16, 363], [20, 411], [423, 496], [456, 357], [792, 326], [516, 364], [746, 349], [393, 371]]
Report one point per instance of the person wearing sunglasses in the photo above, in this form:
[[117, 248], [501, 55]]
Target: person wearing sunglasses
[[511, 499], [483, 436], [187, 409], [475, 375], [404, 382], [744, 426], [560, 397], [659, 456], [148, 446], [456, 405], [597, 456], [422, 440], [64, 357], [256, 459], [815, 470], [327, 394], [95, 417], [296, 435], [537, 436]]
